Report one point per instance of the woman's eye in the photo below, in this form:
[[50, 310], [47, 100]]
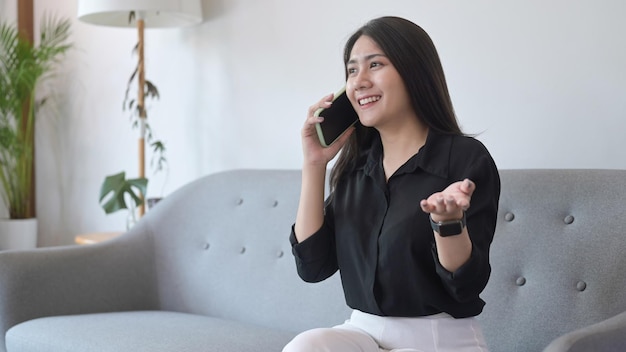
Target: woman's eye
[[375, 64], [351, 70]]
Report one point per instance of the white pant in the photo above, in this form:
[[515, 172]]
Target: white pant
[[366, 332]]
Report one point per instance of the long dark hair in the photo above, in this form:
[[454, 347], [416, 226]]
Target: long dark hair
[[413, 54]]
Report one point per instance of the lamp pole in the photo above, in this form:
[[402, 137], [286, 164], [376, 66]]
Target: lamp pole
[[141, 78]]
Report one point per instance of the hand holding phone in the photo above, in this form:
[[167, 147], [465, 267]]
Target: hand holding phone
[[338, 117]]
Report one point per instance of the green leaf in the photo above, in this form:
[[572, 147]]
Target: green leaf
[[23, 67], [151, 90], [116, 186]]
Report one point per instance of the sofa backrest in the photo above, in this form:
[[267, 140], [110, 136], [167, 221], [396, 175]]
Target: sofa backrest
[[558, 257], [222, 249]]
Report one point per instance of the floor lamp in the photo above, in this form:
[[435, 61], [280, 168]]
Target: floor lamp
[[145, 14]]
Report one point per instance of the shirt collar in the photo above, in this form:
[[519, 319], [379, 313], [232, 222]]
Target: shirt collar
[[433, 157]]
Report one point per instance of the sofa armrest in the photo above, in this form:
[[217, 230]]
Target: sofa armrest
[[117, 275], [607, 335]]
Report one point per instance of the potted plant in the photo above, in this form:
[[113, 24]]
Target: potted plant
[[23, 67]]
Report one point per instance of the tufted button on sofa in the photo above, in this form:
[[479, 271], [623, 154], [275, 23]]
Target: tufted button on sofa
[[210, 269]]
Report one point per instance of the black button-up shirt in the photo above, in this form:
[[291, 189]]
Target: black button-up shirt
[[380, 240]]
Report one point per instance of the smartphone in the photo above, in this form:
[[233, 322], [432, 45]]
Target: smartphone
[[337, 118]]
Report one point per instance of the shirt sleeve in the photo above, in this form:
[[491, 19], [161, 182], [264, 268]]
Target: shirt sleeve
[[316, 256], [467, 282]]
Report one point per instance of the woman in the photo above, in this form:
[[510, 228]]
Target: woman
[[413, 204]]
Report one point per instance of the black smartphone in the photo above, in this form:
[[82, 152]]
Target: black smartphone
[[337, 118]]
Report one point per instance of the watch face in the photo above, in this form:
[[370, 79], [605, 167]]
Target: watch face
[[450, 228]]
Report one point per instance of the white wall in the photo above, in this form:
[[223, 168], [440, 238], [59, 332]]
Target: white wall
[[543, 81], [8, 10]]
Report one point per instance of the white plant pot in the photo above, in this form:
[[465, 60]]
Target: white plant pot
[[18, 233]]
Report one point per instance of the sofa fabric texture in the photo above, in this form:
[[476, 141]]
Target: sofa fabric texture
[[155, 330], [210, 269]]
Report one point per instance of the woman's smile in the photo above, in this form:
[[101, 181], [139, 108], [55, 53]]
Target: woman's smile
[[367, 101]]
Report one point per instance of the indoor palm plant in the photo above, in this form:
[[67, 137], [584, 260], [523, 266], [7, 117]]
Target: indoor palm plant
[[23, 67]]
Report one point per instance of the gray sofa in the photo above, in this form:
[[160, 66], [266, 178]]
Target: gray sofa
[[210, 269]]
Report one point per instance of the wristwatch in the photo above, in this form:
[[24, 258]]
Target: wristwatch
[[448, 228]]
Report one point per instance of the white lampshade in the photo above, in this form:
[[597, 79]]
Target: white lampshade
[[155, 13]]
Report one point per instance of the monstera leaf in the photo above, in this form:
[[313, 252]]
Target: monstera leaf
[[117, 186]]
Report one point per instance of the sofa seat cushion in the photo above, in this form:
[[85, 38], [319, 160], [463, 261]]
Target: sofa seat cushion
[[140, 331]]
